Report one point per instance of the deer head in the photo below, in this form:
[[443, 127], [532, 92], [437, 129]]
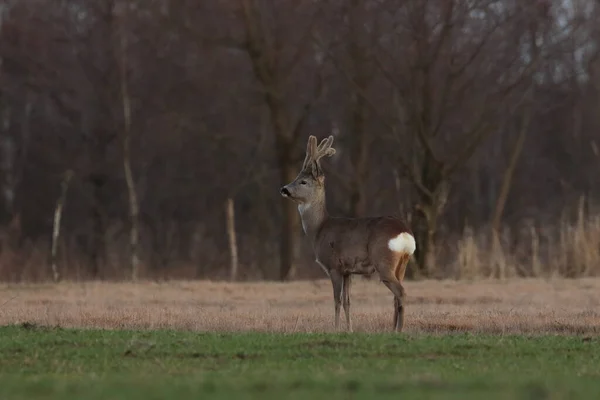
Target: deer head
[[309, 185]]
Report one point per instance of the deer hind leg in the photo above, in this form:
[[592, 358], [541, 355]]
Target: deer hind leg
[[398, 306], [337, 281], [398, 315], [388, 277], [347, 282]]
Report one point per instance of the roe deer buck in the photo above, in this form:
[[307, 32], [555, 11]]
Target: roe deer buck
[[346, 246]]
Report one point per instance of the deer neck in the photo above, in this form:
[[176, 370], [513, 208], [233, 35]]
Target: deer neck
[[313, 215]]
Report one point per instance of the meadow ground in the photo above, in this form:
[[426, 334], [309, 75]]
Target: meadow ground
[[521, 339], [514, 306]]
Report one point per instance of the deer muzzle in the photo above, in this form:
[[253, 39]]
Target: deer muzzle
[[285, 192]]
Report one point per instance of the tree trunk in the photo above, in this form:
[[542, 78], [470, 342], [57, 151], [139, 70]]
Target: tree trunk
[[289, 229], [60, 203], [359, 153], [425, 226], [133, 212], [7, 148], [233, 249], [511, 167], [98, 245], [359, 148], [133, 200], [266, 59], [432, 200]]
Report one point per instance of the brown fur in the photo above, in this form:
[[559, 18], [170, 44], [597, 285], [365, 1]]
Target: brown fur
[[401, 267], [347, 246]]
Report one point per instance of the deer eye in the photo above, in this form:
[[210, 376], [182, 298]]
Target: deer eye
[[303, 182]]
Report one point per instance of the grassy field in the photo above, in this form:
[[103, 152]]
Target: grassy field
[[518, 339], [55, 363]]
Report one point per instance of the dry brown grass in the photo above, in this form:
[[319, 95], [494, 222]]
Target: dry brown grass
[[512, 306], [540, 246], [568, 249]]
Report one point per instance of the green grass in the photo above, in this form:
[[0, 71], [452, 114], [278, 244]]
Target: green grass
[[44, 363]]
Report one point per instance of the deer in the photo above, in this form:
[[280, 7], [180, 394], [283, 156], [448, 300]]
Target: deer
[[345, 246]]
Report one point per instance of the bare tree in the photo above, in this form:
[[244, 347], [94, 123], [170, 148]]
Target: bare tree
[[60, 204], [533, 28], [233, 249], [452, 73], [359, 34], [439, 91], [273, 70], [132, 194]]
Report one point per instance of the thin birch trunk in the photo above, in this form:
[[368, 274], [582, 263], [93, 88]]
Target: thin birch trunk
[[133, 201], [233, 250], [60, 204]]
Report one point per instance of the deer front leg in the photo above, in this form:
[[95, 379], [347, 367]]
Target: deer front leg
[[337, 281], [346, 300]]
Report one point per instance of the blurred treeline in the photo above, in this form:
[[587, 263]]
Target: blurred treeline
[[477, 120]]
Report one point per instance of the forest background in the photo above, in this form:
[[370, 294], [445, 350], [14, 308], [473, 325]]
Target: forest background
[[149, 139]]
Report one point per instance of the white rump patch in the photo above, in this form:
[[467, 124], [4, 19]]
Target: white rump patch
[[403, 243]]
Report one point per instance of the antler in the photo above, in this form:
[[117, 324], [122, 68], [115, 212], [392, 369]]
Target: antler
[[314, 153], [325, 148], [311, 150]]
